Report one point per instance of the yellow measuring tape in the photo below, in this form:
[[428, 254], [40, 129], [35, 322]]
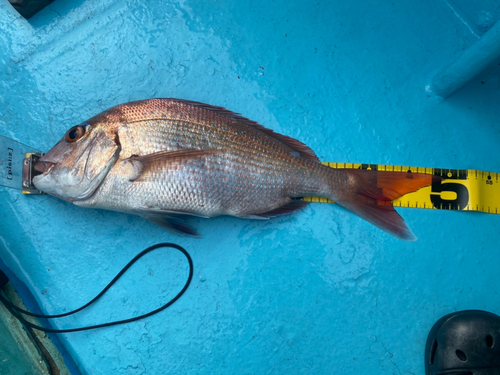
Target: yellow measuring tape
[[460, 189]]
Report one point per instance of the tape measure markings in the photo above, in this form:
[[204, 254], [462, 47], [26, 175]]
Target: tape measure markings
[[460, 189]]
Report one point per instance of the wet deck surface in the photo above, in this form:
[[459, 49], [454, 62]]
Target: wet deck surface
[[316, 291]]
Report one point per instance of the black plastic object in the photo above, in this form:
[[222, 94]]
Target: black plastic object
[[464, 343], [18, 312]]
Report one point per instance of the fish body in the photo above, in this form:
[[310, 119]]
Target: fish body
[[166, 159]]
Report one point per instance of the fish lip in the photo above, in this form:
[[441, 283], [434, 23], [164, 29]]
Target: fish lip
[[44, 166]]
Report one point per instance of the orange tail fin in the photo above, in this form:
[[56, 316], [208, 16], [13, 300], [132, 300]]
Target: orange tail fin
[[373, 193]]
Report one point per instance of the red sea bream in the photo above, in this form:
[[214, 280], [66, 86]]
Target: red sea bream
[[166, 159]]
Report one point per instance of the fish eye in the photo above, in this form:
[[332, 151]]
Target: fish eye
[[75, 133]]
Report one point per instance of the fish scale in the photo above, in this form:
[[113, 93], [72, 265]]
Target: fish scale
[[164, 159]]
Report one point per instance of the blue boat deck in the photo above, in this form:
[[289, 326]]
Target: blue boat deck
[[320, 291]]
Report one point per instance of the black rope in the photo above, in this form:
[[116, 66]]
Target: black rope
[[17, 312]]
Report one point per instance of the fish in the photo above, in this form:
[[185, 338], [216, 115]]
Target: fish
[[170, 159]]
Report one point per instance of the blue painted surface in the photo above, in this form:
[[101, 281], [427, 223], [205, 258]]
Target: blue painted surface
[[320, 291], [474, 60]]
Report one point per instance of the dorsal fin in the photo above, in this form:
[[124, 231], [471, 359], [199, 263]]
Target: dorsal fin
[[121, 113], [294, 144]]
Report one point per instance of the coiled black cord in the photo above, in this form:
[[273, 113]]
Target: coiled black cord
[[17, 312]]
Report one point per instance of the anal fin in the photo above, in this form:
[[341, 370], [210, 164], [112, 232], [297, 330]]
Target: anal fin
[[295, 204]]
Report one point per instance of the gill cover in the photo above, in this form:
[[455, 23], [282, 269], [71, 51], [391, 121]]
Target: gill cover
[[74, 168]]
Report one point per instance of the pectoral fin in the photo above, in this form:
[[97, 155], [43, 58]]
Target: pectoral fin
[[158, 162]]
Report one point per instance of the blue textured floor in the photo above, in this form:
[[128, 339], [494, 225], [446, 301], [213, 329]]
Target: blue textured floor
[[318, 292]]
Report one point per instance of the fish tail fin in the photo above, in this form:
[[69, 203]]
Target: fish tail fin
[[370, 195]]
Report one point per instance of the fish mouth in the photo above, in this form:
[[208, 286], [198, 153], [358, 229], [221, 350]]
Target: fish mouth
[[44, 166]]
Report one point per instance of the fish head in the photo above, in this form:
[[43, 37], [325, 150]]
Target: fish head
[[75, 167]]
